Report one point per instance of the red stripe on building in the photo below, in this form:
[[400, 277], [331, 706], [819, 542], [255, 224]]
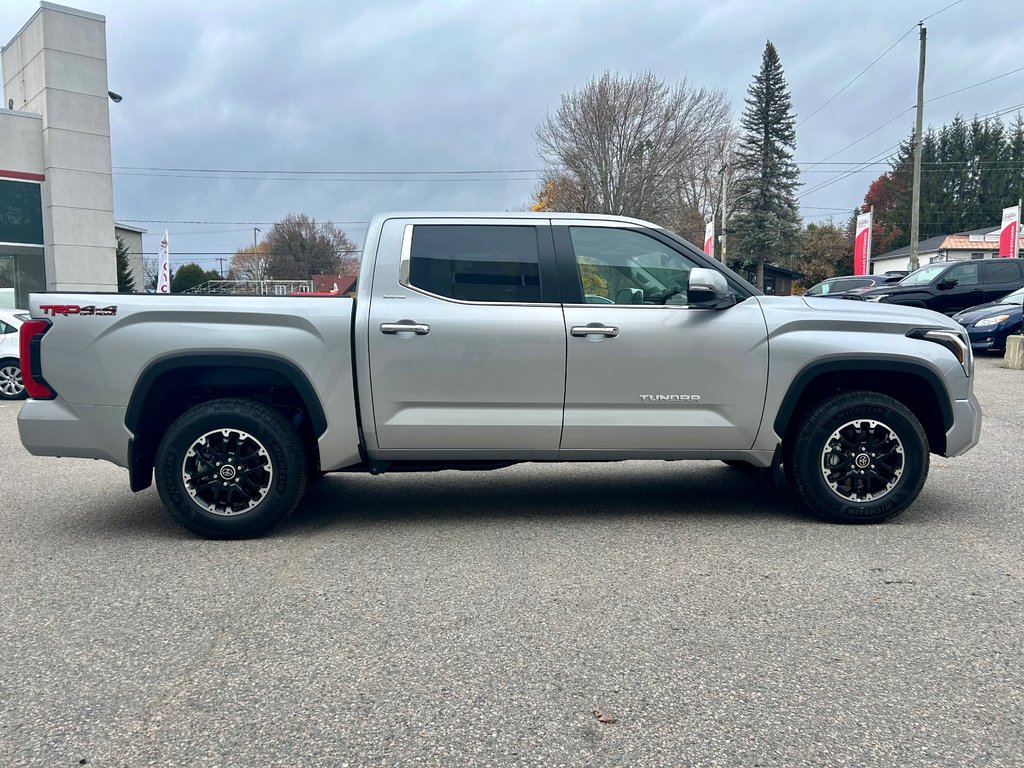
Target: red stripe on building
[[4, 174]]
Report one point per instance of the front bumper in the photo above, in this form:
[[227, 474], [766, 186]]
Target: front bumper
[[993, 337], [966, 429]]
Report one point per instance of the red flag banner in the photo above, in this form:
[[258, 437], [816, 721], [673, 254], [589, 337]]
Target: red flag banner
[[862, 245], [709, 238], [1008, 232]]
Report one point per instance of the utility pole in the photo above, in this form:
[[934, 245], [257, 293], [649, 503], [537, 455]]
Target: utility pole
[[725, 189], [220, 261], [915, 206], [255, 232]]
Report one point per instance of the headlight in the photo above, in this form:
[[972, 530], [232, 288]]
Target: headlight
[[875, 298], [990, 321], [956, 342]]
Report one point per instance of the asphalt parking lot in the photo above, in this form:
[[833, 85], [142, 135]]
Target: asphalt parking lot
[[480, 619]]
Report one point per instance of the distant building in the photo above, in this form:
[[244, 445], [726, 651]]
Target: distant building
[[974, 244], [56, 187], [343, 285], [778, 281]]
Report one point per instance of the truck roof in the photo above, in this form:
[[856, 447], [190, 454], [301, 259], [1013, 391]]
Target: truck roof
[[511, 215]]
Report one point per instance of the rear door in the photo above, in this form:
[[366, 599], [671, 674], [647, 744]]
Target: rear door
[[999, 277], [466, 337], [644, 371]]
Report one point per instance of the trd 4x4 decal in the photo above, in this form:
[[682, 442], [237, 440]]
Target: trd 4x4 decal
[[73, 309]]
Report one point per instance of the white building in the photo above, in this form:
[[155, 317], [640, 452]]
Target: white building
[[56, 187]]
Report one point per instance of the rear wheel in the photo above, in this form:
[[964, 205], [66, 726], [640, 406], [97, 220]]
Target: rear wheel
[[11, 385], [230, 469], [857, 457]]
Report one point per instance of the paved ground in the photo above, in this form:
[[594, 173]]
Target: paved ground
[[480, 619]]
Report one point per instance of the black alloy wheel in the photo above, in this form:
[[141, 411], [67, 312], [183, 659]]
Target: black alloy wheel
[[231, 468], [857, 457]]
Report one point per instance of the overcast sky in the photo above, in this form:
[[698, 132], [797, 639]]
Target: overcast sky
[[460, 85]]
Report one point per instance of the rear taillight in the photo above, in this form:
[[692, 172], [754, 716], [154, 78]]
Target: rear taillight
[[31, 369]]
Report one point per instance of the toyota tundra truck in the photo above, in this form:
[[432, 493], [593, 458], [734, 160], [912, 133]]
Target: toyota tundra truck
[[479, 341]]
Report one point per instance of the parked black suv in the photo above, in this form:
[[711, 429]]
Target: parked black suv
[[951, 286]]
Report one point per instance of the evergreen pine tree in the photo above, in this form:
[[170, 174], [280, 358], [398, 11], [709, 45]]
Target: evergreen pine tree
[[767, 221], [125, 281], [1015, 155]]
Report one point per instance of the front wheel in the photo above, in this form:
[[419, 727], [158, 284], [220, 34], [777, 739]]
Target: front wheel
[[230, 469], [857, 457]]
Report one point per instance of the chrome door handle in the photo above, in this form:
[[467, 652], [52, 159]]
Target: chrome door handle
[[405, 326], [594, 329]]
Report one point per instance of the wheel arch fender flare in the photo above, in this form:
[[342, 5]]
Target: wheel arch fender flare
[[155, 371], [815, 370]]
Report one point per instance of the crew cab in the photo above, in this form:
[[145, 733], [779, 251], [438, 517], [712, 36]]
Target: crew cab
[[477, 341]]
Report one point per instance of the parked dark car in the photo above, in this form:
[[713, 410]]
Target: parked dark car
[[836, 287], [988, 325], [952, 286]]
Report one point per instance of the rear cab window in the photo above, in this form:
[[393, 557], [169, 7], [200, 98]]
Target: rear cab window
[[477, 262]]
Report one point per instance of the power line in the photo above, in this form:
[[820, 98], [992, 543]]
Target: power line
[[326, 173], [184, 221], [321, 178], [879, 58], [940, 11], [842, 176], [969, 87], [855, 79]]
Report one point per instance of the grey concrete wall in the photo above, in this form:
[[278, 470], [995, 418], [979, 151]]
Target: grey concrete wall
[[21, 142], [56, 66]]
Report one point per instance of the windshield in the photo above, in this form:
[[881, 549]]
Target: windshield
[[1017, 297], [923, 275]]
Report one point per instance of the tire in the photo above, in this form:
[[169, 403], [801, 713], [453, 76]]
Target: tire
[[857, 457], [11, 385], [261, 476]]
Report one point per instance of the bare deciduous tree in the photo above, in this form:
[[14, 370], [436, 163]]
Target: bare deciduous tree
[[299, 247], [626, 145], [250, 264]]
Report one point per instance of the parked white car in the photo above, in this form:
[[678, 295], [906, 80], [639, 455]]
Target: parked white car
[[11, 385]]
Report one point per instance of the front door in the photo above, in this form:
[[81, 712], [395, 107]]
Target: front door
[[645, 372], [466, 338]]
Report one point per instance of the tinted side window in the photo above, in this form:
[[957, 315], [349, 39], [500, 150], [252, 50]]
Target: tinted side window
[[964, 274], [841, 286], [474, 262], [5, 328], [994, 271]]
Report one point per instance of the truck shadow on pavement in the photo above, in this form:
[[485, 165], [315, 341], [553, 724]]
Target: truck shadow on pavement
[[699, 489]]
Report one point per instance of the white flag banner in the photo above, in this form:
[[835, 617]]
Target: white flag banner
[[163, 282]]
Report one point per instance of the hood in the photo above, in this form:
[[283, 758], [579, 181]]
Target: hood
[[980, 312], [852, 315], [881, 312]]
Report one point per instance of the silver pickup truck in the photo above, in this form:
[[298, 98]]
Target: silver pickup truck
[[478, 341]]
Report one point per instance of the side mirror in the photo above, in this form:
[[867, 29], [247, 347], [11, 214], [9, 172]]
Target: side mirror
[[945, 285], [708, 290]]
